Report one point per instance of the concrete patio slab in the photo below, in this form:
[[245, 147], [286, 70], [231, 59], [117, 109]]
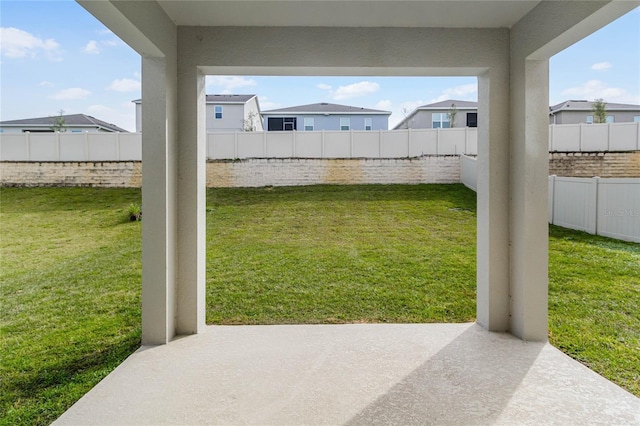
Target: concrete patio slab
[[359, 374]]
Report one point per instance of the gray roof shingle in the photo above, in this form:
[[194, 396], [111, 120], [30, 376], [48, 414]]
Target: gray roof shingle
[[72, 120], [584, 105], [447, 104], [325, 108]]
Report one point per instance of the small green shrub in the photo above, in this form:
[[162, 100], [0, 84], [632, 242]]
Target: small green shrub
[[135, 212]]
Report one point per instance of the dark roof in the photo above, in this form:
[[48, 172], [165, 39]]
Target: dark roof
[[584, 105], [72, 120], [325, 108], [447, 104]]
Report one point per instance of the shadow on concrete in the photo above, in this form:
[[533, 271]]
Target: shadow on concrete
[[470, 381]]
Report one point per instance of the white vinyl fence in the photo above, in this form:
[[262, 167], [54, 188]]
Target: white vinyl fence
[[607, 207], [340, 144], [321, 144], [469, 172], [594, 137], [71, 147], [237, 145]]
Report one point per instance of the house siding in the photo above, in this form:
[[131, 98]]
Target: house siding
[[332, 121], [233, 116], [422, 119], [576, 117]]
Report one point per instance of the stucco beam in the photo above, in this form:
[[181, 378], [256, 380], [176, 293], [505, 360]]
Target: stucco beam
[[143, 25], [352, 50], [552, 26]]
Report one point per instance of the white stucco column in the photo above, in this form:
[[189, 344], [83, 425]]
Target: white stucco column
[[191, 199], [529, 193], [493, 199], [158, 201]]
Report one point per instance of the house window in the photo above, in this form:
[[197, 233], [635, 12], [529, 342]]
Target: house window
[[472, 119], [217, 110], [308, 123], [440, 120], [345, 124], [609, 119], [636, 119], [281, 123], [367, 123]]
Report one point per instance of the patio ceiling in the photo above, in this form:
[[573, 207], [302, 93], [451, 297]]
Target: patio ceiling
[[362, 13]]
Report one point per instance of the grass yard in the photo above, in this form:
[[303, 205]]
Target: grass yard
[[70, 277]]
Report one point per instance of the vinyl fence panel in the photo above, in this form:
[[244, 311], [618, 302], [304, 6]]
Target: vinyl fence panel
[[619, 209], [574, 203]]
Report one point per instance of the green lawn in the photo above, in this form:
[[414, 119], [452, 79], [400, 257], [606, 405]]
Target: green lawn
[[70, 277]]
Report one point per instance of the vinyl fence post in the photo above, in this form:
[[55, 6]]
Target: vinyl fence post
[[380, 143], [608, 137], [58, 146], [409, 142], [293, 143], [596, 184], [118, 146], [580, 138], [28, 145], [350, 143], [264, 145], [466, 140], [86, 145], [552, 190], [322, 145], [638, 136], [235, 145]]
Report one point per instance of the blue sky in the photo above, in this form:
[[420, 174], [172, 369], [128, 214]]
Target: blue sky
[[56, 56]]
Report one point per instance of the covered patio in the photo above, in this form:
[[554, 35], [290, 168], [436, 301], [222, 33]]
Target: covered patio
[[361, 374], [500, 370]]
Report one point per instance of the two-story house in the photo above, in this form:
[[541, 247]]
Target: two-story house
[[581, 111], [325, 116], [225, 113], [436, 116]]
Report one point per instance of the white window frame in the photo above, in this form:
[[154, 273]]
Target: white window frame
[[610, 119], [346, 120], [440, 118], [215, 112], [589, 119], [368, 123], [636, 118], [309, 124]]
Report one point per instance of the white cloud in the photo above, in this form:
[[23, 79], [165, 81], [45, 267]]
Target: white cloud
[[99, 110], [464, 92], [323, 86], [596, 89], [73, 93], [110, 43], [122, 116], [46, 84], [16, 43], [384, 105], [228, 84], [125, 85], [601, 66], [409, 106], [91, 48], [266, 104], [355, 90]]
